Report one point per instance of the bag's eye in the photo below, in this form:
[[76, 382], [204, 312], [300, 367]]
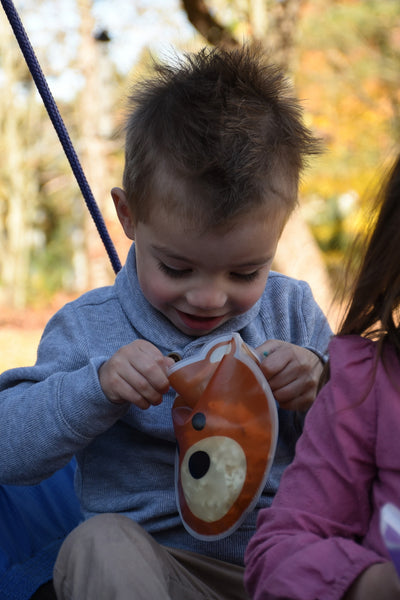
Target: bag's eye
[[199, 421]]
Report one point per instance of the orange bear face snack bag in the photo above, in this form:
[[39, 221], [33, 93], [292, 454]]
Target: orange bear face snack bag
[[226, 426]]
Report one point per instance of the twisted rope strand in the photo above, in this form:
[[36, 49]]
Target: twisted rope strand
[[56, 119]]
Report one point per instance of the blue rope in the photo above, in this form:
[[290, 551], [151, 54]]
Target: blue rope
[[60, 128]]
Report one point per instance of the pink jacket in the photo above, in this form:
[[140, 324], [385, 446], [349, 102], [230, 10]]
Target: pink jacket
[[322, 529]]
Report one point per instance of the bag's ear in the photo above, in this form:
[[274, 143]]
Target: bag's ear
[[226, 425], [190, 378]]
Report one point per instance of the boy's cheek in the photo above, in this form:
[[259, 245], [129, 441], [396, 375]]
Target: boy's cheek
[[157, 294], [252, 296]]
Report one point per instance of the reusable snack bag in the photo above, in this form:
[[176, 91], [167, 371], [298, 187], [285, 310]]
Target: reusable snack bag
[[226, 426]]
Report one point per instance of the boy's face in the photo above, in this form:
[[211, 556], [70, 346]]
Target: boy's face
[[200, 280]]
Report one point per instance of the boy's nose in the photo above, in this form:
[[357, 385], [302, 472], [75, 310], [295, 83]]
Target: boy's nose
[[207, 298]]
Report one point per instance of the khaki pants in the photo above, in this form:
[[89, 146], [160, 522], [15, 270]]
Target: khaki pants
[[110, 557]]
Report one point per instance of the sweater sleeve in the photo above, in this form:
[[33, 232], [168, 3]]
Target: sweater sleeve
[[289, 312], [53, 409], [308, 545], [317, 330]]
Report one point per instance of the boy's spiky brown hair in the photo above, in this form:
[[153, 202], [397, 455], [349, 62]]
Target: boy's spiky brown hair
[[213, 136]]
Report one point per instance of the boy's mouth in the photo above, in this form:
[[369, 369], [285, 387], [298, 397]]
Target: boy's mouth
[[200, 323]]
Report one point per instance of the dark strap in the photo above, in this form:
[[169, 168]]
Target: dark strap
[[56, 119]]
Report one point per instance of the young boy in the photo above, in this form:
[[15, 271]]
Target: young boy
[[214, 149]]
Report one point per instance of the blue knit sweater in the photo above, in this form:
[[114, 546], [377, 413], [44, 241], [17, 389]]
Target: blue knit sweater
[[56, 409]]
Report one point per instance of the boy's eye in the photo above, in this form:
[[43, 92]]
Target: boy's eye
[[245, 277], [174, 273]]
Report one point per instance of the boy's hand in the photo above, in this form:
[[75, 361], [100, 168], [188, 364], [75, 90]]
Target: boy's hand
[[136, 373], [292, 372]]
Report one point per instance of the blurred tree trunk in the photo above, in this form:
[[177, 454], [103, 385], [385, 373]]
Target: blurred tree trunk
[[273, 24], [94, 129], [282, 29], [18, 111], [298, 256], [270, 22], [200, 17]]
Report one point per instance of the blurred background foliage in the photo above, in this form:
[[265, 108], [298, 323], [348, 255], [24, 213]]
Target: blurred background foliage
[[343, 57], [348, 69]]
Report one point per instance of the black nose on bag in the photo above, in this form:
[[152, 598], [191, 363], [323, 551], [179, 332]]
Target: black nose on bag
[[199, 463]]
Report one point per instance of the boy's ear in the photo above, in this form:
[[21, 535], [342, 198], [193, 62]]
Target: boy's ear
[[124, 212]]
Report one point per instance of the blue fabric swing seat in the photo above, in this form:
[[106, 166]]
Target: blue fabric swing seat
[[34, 520]]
